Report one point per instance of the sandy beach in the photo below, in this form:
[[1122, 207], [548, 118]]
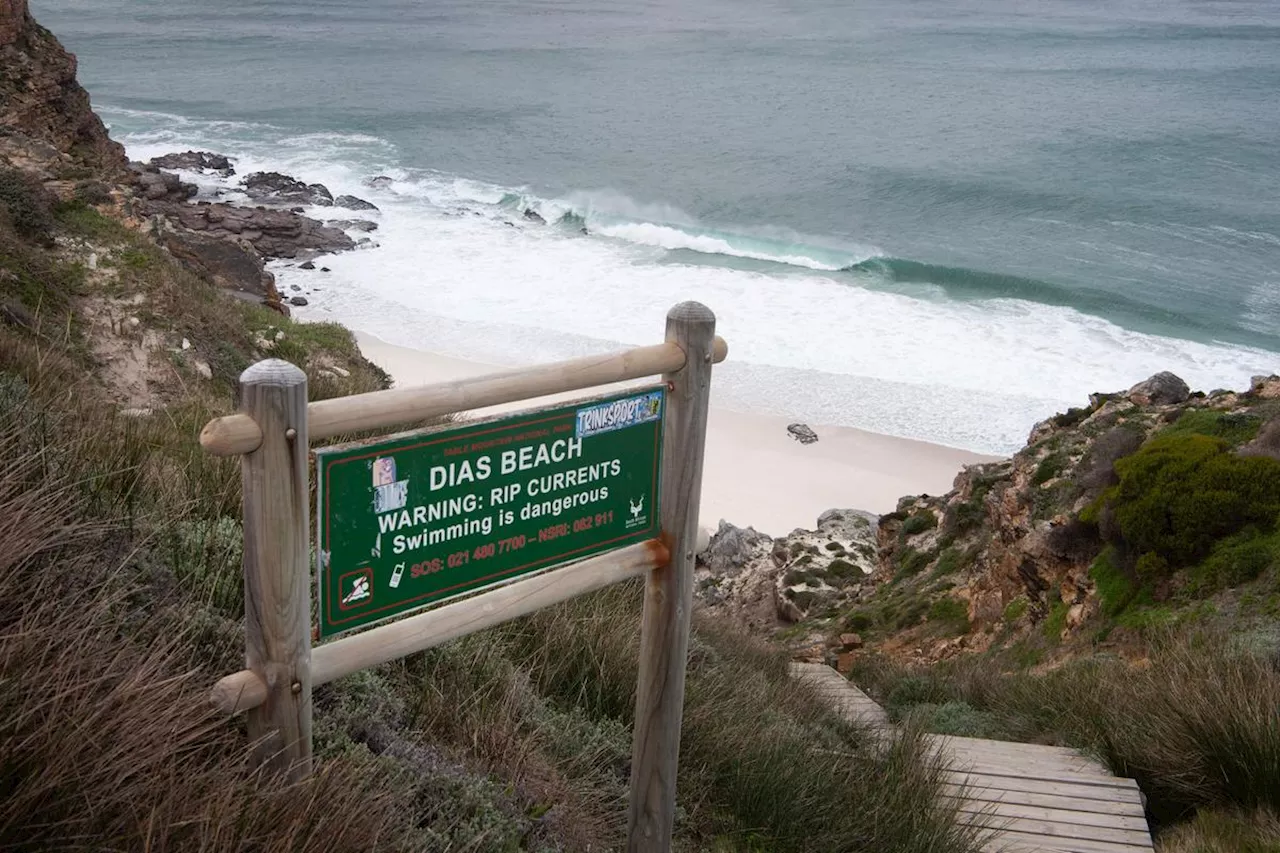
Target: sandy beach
[[756, 474]]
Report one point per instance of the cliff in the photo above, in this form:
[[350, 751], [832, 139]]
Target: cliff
[[46, 121]]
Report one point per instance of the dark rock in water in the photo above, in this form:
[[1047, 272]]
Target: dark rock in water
[[155, 185], [307, 266], [351, 202], [225, 262], [273, 186], [802, 433], [298, 300], [294, 287], [379, 182], [196, 161], [325, 269], [1160, 390], [353, 225], [533, 216]]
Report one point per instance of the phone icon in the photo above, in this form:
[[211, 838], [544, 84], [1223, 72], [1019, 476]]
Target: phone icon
[[396, 575]]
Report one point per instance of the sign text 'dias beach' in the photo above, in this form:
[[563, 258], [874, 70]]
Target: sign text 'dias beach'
[[427, 515]]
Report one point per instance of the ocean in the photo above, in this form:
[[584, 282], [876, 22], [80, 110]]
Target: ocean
[[937, 220]]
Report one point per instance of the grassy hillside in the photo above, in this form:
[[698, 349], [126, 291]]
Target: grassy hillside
[[120, 549]]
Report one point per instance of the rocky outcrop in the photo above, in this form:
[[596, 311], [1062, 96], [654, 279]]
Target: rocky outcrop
[[227, 263], [1163, 389], [155, 185], [195, 161], [1007, 545], [351, 202], [764, 583], [276, 188], [272, 233], [363, 225], [41, 102]]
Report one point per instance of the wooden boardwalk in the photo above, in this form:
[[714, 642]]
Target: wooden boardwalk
[[1032, 798]]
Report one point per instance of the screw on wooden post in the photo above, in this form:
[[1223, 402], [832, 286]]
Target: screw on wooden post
[[277, 613], [668, 598]]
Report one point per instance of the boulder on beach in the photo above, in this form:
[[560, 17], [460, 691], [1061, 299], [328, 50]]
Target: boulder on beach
[[802, 433]]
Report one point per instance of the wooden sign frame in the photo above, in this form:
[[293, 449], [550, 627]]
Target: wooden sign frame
[[272, 435]]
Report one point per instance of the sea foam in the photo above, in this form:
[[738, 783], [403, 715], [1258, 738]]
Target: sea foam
[[458, 270]]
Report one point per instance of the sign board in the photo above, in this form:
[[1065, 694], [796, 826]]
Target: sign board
[[415, 518]]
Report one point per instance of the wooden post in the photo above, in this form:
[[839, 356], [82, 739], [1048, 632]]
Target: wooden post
[[277, 614], [668, 598]]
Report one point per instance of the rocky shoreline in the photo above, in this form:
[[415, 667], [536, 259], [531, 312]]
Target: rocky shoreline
[[1000, 556], [232, 243]]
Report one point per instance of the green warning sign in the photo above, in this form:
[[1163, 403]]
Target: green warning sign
[[409, 520]]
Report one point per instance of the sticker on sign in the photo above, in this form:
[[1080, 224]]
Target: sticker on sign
[[411, 519]]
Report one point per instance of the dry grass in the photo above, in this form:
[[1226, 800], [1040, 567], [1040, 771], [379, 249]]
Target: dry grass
[[1198, 726], [108, 743], [1225, 832], [119, 548]]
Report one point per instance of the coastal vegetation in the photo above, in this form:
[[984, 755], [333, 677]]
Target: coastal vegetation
[[120, 548]]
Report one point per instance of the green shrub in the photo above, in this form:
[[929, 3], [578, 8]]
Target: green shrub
[[843, 569], [950, 560], [796, 576], [1049, 467], [912, 690], [1180, 494], [1235, 428], [858, 620], [951, 614], [27, 205], [1014, 609], [911, 562], [1071, 417], [1116, 589], [955, 718], [912, 614], [1056, 621], [1235, 560], [919, 522]]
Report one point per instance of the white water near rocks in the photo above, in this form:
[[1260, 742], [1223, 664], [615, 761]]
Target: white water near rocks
[[457, 269]]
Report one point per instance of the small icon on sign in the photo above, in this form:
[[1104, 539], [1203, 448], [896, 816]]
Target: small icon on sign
[[355, 588], [359, 590], [639, 517], [396, 575]]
